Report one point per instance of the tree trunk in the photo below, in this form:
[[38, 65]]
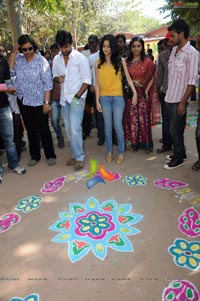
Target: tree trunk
[[16, 19]]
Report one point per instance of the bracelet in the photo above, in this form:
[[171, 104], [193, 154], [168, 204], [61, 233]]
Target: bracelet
[[46, 102]]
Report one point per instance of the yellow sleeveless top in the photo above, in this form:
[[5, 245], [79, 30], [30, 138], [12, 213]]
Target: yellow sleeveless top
[[110, 82]]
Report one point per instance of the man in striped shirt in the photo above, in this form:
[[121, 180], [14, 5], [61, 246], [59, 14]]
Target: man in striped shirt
[[182, 78]]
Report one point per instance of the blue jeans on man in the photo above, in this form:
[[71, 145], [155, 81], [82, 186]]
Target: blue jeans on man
[[73, 117], [7, 134], [113, 109]]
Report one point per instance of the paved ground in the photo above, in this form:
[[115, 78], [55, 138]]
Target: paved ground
[[32, 264]]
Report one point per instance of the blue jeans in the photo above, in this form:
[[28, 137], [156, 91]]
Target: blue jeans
[[113, 109], [7, 134], [177, 125], [73, 117], [55, 118]]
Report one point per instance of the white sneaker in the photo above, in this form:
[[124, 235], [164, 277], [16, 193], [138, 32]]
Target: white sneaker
[[19, 170]]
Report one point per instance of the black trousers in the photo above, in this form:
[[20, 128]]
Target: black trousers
[[176, 128], [36, 123], [167, 141]]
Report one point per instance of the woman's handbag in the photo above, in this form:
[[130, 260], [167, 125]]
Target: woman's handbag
[[127, 91]]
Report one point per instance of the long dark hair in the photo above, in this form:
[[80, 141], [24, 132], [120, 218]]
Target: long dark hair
[[25, 38], [114, 52], [130, 57]]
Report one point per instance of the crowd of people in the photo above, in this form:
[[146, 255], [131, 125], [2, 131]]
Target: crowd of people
[[76, 84]]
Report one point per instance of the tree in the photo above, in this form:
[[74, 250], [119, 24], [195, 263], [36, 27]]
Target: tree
[[190, 15]]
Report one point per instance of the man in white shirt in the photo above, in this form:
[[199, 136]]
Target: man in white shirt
[[71, 69]]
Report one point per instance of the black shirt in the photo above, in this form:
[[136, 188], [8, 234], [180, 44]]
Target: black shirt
[[4, 75]]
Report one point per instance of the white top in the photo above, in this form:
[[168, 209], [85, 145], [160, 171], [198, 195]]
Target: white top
[[92, 59], [77, 72]]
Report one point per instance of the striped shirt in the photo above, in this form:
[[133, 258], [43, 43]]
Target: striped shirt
[[162, 75], [183, 71]]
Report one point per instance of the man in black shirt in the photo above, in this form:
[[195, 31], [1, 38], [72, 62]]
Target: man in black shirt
[[6, 120]]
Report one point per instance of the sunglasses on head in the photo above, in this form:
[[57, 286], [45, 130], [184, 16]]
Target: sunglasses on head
[[27, 49]]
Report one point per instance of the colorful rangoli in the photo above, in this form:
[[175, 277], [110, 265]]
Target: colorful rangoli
[[168, 184], [29, 204], [136, 180], [186, 254], [32, 297], [189, 222], [53, 185], [96, 227], [180, 290], [8, 220]]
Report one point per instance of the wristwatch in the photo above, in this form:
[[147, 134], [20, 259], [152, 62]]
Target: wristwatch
[[46, 102]]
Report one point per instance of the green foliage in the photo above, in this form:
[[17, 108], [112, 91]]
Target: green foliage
[[42, 19], [190, 15]]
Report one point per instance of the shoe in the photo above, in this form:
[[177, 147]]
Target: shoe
[[109, 157], [19, 170], [120, 159], [100, 142], [79, 165], [173, 164], [1, 178], [51, 161], [32, 162], [71, 162], [163, 149], [61, 143], [170, 157], [196, 165]]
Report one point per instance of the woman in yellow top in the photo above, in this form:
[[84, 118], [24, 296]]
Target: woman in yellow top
[[109, 94]]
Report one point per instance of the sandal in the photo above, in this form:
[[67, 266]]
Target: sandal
[[196, 165]]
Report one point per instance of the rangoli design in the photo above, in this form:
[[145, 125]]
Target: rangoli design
[[94, 226], [101, 176], [107, 174], [53, 186], [8, 220], [186, 254], [29, 204], [190, 195], [180, 290], [77, 176], [189, 222], [93, 181], [136, 180], [168, 184], [191, 120], [32, 297]]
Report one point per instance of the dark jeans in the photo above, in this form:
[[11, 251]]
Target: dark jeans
[[87, 116], [18, 132], [100, 125], [176, 128], [167, 141], [36, 123], [198, 135]]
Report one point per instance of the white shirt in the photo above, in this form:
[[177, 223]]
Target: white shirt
[[92, 59], [183, 71], [77, 72]]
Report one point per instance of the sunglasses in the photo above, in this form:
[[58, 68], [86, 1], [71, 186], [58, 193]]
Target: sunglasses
[[27, 49]]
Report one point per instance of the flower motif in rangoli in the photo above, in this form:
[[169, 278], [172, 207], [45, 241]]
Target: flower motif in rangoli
[[185, 253], [96, 227]]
